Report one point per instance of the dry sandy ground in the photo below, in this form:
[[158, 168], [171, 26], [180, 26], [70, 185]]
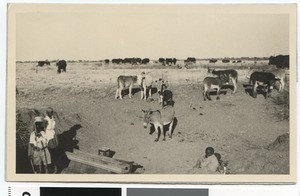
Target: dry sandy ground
[[237, 126]]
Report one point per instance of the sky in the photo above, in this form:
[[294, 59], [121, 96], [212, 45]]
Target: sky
[[120, 33]]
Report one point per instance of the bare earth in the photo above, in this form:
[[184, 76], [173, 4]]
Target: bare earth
[[237, 126]]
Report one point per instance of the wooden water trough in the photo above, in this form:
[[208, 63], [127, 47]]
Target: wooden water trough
[[100, 161]]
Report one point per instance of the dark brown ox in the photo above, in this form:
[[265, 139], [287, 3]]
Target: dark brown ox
[[264, 79]]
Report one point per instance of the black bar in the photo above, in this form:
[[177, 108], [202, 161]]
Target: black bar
[[77, 191]]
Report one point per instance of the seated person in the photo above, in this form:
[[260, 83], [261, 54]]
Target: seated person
[[209, 163]]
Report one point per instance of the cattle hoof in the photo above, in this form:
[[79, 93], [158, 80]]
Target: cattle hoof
[[156, 140], [164, 139], [218, 98]]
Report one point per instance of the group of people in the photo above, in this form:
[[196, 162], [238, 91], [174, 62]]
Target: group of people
[[43, 143], [211, 162]]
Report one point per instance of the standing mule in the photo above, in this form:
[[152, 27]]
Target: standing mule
[[229, 74], [213, 83], [159, 119], [146, 84], [165, 96], [126, 81]]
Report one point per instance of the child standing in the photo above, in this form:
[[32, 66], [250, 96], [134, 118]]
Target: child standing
[[51, 137], [38, 143]]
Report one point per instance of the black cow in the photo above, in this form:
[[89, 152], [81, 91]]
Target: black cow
[[106, 61], [127, 60], [162, 61], [174, 61], [136, 61], [281, 61], [61, 66], [42, 63], [225, 61], [170, 61], [190, 60], [264, 79], [116, 61], [145, 61], [213, 60]]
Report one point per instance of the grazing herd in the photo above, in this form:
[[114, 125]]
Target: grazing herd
[[157, 118], [263, 81]]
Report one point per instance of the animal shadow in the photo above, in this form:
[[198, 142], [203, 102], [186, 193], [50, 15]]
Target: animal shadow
[[152, 130], [249, 90], [166, 127], [133, 91], [222, 92], [228, 86], [67, 142], [153, 91]]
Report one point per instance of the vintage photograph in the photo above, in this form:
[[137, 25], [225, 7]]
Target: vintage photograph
[[127, 91]]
